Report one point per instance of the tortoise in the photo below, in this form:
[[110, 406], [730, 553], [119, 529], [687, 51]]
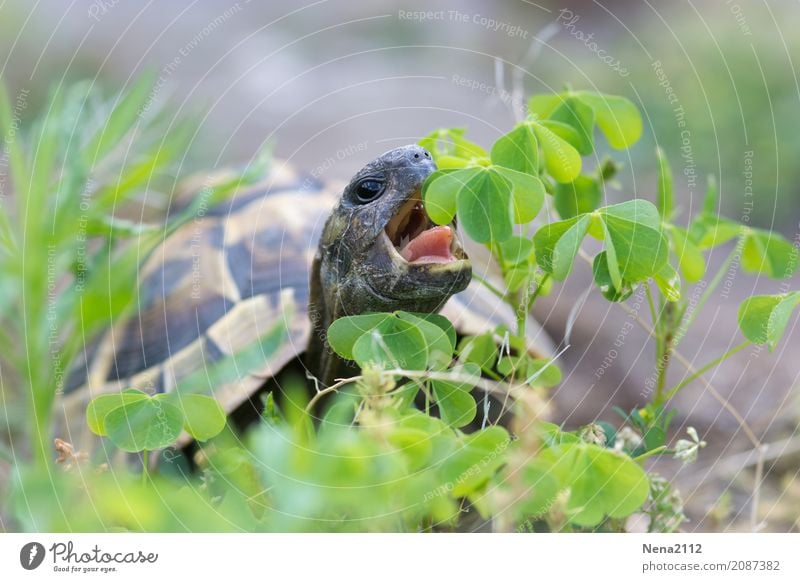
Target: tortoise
[[268, 254]]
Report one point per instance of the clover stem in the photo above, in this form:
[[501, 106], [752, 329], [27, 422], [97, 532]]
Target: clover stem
[[427, 401], [499, 294], [518, 305], [523, 305], [651, 304], [538, 291], [650, 453], [673, 391], [514, 300], [662, 347], [663, 363], [655, 319], [498, 252]]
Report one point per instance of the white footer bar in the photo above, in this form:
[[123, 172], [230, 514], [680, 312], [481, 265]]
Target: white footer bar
[[407, 557]]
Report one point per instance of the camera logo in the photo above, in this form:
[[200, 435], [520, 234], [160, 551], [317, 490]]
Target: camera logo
[[31, 555]]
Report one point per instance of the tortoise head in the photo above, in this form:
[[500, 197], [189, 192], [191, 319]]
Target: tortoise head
[[379, 251]]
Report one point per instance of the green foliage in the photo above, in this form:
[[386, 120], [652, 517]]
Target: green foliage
[[480, 350], [561, 158], [557, 244], [135, 421], [145, 425], [490, 194], [404, 341], [69, 250], [487, 200], [652, 424], [641, 244], [763, 318], [518, 150], [768, 253], [763, 252], [99, 408], [457, 407], [635, 246], [602, 483], [604, 282], [664, 507], [451, 149], [203, 417], [617, 117], [393, 340], [665, 198], [687, 253], [580, 196], [397, 446]]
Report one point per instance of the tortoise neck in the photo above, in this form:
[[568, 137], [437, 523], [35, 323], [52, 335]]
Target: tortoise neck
[[321, 360]]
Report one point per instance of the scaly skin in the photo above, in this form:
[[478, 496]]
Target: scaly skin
[[357, 269]]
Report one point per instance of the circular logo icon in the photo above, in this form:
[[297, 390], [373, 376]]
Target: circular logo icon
[[31, 555]]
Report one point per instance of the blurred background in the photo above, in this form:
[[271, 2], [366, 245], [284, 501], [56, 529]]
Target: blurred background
[[330, 84], [331, 78]]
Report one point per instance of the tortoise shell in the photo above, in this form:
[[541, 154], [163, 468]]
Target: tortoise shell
[[222, 281]]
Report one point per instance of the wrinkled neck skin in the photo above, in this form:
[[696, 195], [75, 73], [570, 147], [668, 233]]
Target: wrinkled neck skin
[[342, 285]]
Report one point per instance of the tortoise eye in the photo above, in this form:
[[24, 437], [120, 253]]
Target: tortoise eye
[[369, 190]]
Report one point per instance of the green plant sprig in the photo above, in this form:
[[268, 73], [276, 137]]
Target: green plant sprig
[[495, 194], [376, 458], [70, 260]]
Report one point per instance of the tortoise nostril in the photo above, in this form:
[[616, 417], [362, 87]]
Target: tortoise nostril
[[415, 155]]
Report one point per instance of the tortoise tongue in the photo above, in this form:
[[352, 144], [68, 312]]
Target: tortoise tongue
[[430, 246]]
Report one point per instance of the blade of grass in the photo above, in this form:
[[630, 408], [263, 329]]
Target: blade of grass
[[121, 120]]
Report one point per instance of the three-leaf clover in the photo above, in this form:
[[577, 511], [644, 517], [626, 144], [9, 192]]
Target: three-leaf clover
[[136, 421], [601, 482], [635, 246], [616, 117], [488, 200]]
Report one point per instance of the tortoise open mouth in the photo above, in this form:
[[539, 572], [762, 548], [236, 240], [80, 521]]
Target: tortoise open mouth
[[418, 241]]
